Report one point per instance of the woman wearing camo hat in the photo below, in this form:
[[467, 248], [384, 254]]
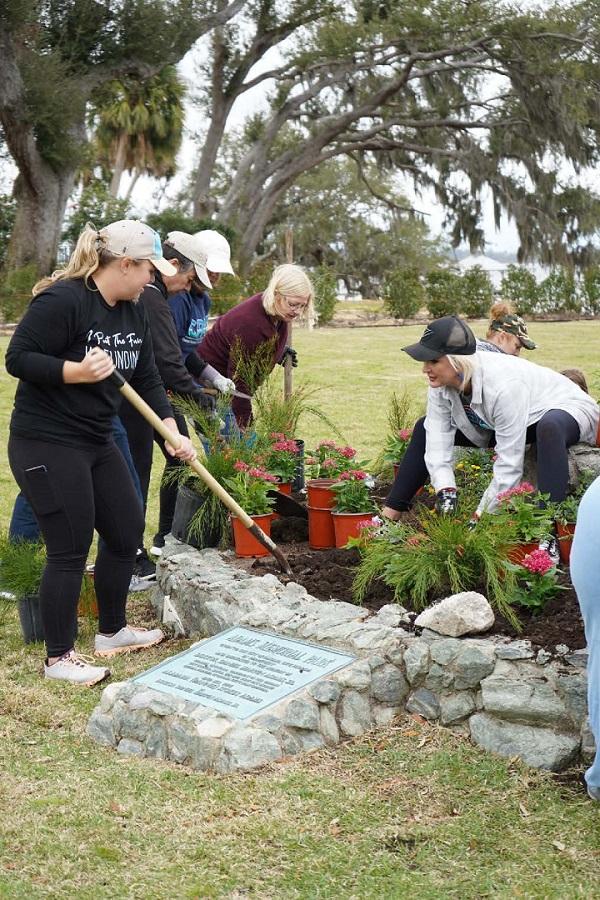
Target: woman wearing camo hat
[[82, 324], [507, 332]]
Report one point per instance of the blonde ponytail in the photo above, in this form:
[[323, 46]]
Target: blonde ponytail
[[87, 257]]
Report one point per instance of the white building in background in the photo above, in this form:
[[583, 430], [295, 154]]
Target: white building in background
[[496, 268]]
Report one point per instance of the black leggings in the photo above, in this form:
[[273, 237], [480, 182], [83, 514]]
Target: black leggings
[[73, 490], [552, 435]]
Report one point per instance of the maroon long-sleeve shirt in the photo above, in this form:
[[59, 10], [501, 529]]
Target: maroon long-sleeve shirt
[[249, 325]]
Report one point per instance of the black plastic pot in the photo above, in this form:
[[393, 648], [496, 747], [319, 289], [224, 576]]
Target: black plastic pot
[[298, 482], [187, 505], [31, 619]]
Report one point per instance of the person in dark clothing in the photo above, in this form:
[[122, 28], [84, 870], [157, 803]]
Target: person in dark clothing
[[82, 324], [189, 262], [255, 322]]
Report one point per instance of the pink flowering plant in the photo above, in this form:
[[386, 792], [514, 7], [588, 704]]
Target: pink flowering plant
[[536, 580], [526, 511], [328, 460], [396, 444], [352, 492], [281, 457], [249, 486]]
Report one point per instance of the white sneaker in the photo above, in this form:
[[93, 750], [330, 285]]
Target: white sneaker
[[126, 640], [75, 668], [140, 584]]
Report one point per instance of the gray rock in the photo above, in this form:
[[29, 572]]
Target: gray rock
[[128, 747], [245, 748], [328, 727], [130, 724], [572, 688], [541, 748], [416, 660], [159, 704], [561, 649], [213, 727], [475, 660], [181, 742], [390, 615], [515, 650], [439, 678], [357, 675], [354, 713], [578, 658], [395, 653], [385, 715], [325, 691], [588, 743], [533, 700], [371, 637], [424, 703], [302, 713], [100, 728], [543, 657], [310, 740], [465, 613], [375, 662], [388, 685], [445, 651], [156, 743], [455, 707], [110, 693]]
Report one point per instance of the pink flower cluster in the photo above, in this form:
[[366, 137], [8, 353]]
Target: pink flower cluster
[[523, 488], [254, 471], [285, 446], [405, 434], [538, 562], [331, 445], [353, 475]]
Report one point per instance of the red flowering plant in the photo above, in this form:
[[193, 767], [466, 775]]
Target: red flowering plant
[[352, 492], [526, 511], [281, 457], [396, 444], [536, 580], [249, 488], [328, 460]]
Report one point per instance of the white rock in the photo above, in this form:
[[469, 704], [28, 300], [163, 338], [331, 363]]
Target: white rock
[[466, 613]]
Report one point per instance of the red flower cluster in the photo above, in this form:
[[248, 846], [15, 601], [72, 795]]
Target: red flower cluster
[[285, 446], [331, 445], [353, 475], [347, 452], [538, 562], [405, 434], [254, 471], [523, 488]]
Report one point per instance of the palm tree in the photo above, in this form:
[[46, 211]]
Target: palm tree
[[139, 126]]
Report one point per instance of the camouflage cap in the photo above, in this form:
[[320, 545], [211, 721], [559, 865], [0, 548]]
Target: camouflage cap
[[512, 324]]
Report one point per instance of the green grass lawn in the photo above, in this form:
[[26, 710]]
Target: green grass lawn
[[414, 811]]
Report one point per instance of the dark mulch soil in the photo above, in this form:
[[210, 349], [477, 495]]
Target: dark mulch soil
[[328, 574]]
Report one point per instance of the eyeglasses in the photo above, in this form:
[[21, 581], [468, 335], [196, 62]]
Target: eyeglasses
[[299, 306]]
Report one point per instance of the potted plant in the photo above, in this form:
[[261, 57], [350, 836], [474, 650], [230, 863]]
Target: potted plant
[[536, 580], [324, 465], [353, 504], [281, 460], [21, 568], [566, 517], [532, 521], [249, 486]]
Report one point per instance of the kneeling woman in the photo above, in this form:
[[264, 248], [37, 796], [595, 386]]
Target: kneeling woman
[[483, 400], [83, 322]]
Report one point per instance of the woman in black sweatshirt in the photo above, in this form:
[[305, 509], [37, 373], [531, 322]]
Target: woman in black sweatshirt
[[82, 324]]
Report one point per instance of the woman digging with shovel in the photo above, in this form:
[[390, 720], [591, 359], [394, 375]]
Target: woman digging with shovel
[[82, 325]]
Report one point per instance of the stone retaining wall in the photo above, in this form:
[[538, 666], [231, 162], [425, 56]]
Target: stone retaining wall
[[508, 698]]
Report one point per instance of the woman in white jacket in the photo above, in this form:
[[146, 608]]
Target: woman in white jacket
[[484, 399]]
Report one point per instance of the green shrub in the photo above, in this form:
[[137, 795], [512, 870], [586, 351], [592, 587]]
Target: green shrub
[[15, 292], [8, 209], [519, 288], [591, 290], [324, 280], [477, 293], [175, 219], [443, 293], [403, 293], [558, 292]]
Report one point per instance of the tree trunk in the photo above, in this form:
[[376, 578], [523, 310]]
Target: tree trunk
[[203, 206], [119, 166], [38, 223]]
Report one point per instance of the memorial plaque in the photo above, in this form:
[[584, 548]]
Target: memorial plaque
[[242, 671]]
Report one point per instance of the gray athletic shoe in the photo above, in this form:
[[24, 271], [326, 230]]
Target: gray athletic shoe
[[593, 792], [126, 640], [75, 668], [141, 584]]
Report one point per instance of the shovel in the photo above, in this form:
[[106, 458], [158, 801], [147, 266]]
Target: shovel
[[150, 416]]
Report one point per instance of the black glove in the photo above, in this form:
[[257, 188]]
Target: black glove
[[292, 355], [445, 501]]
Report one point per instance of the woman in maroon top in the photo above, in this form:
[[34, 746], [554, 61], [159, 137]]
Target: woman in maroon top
[[250, 325]]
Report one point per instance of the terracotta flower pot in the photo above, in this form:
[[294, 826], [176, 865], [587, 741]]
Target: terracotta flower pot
[[285, 487], [321, 535], [518, 552], [346, 525], [320, 495], [245, 542], [565, 540]]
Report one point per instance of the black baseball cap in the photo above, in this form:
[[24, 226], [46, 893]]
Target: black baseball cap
[[448, 335]]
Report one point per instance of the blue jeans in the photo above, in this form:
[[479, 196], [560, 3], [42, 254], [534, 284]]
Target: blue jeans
[[585, 574], [23, 523]]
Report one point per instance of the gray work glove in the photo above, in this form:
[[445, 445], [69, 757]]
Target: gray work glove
[[445, 501]]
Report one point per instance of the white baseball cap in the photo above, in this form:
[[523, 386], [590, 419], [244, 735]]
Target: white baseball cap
[[190, 247], [135, 239], [218, 251]]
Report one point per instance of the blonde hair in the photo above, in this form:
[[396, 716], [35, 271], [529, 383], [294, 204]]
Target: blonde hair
[[292, 280], [465, 366], [88, 256]]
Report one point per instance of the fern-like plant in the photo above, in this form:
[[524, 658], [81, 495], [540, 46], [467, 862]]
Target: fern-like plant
[[440, 556], [401, 417]]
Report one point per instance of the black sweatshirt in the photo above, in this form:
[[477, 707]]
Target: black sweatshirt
[[167, 352], [64, 322]]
